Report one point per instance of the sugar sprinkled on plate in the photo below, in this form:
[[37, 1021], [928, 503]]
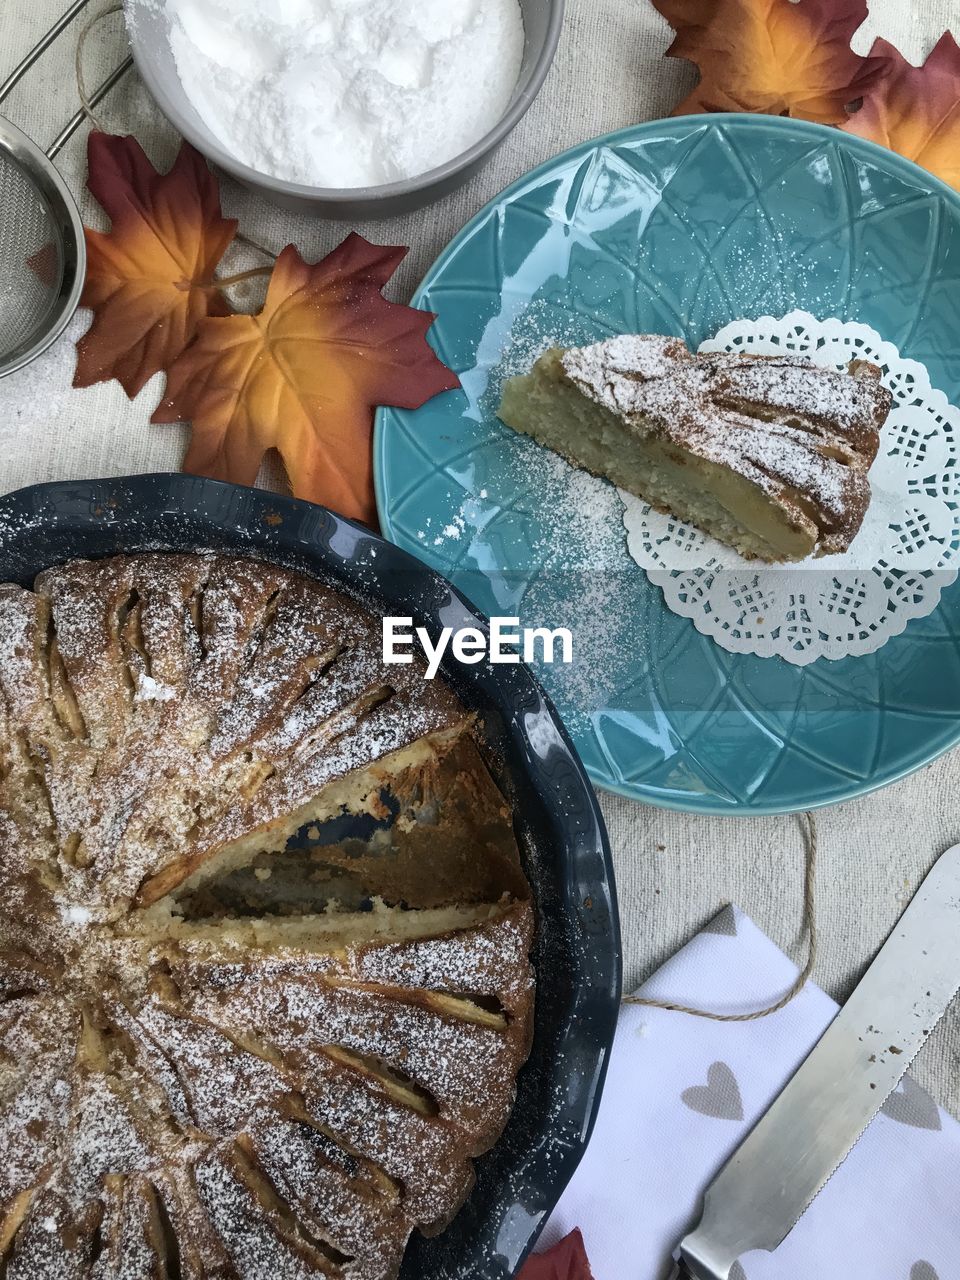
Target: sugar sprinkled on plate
[[566, 527]]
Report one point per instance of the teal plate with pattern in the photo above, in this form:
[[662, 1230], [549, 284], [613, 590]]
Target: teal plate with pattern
[[679, 227]]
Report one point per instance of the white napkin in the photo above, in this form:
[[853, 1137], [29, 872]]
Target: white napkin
[[683, 1092]]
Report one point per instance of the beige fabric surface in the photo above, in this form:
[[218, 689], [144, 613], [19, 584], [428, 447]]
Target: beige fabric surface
[[674, 871]]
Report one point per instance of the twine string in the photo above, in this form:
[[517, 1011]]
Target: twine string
[[810, 927], [82, 92], [243, 238]]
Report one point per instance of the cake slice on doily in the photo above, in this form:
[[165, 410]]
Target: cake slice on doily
[[769, 454]]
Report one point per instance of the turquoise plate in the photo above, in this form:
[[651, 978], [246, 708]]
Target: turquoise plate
[[678, 226]]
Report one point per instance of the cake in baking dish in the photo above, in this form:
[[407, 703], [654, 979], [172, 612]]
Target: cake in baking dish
[[769, 454], [222, 1056]]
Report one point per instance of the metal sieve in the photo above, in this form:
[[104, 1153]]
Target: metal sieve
[[42, 248], [42, 253]]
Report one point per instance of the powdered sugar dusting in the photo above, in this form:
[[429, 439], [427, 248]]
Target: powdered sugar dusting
[[77, 915], [785, 424], [150, 690], [557, 526]]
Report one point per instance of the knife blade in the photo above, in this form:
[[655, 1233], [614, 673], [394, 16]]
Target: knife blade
[[803, 1138]]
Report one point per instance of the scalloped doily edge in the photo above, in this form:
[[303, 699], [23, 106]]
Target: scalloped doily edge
[[803, 658]]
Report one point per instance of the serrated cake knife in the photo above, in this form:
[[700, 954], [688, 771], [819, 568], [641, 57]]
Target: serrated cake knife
[[757, 1197]]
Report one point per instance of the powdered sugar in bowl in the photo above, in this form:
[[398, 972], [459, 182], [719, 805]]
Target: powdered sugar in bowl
[[355, 110]]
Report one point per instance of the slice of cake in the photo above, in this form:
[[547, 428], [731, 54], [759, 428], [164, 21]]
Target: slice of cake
[[768, 454]]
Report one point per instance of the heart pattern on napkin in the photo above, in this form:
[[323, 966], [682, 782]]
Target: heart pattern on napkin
[[719, 1097], [919, 1271], [725, 923], [692, 1086], [912, 1105]]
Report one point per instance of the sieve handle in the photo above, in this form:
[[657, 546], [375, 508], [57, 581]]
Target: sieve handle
[[40, 48]]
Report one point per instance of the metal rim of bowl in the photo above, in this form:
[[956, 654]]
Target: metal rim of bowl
[[480, 150], [557, 811], [65, 216]]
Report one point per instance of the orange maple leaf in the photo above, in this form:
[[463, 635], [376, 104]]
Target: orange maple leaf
[[304, 376], [916, 110], [148, 277], [772, 56]]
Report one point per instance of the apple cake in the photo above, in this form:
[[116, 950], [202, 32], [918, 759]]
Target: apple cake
[[768, 454], [223, 1055]]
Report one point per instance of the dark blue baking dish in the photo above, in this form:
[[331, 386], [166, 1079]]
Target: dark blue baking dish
[[558, 822]]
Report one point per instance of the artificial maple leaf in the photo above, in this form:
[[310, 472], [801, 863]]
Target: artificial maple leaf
[[148, 278], [916, 110], [304, 376], [780, 57], [565, 1261]]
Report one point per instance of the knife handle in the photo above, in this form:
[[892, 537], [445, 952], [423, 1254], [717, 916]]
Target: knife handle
[[684, 1270], [680, 1271]]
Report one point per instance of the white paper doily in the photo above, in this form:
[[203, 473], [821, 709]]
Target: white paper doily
[[907, 551]]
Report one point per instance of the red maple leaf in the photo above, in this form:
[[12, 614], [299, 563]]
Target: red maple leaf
[[565, 1261], [780, 57], [150, 278], [303, 376], [916, 110]]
